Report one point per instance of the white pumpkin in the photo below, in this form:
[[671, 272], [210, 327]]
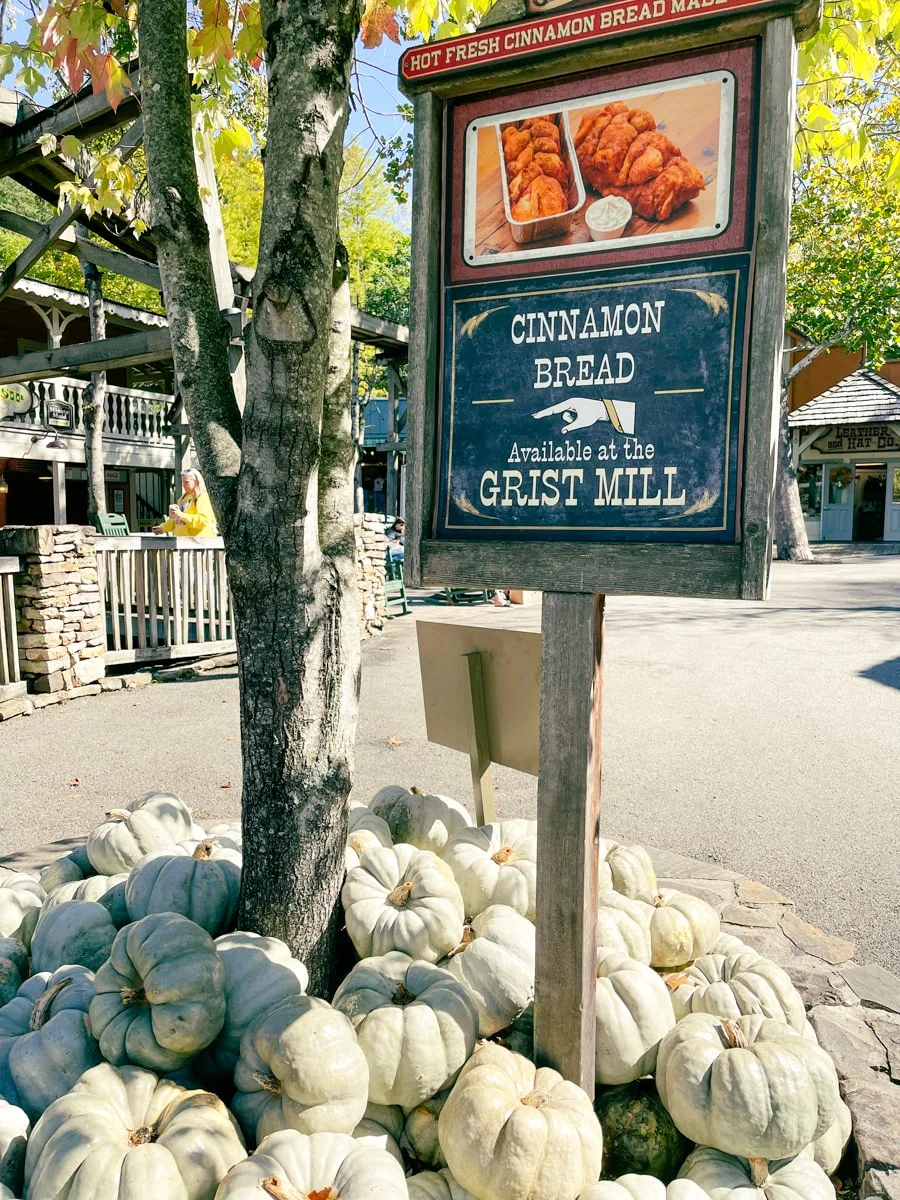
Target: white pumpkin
[[124, 1134], [382, 1126], [321, 1166], [108, 890], [727, 943], [828, 1150], [152, 821], [260, 972], [160, 998], [365, 831], [60, 871], [643, 1187], [401, 898], [496, 964], [226, 831], [737, 985], [21, 897], [421, 1130], [419, 819], [45, 1038], [630, 870], [724, 1177], [204, 886], [496, 864], [76, 931], [416, 1025], [752, 1087], [14, 1129], [14, 968], [512, 1131], [436, 1185], [682, 928], [634, 1013], [300, 1067], [623, 925]]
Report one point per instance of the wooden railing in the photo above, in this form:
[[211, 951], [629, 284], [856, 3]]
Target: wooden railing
[[9, 643], [131, 414], [164, 598]]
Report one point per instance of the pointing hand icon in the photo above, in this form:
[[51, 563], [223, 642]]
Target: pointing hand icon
[[580, 412]]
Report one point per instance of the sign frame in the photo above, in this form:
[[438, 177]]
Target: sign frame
[[736, 570], [59, 415]]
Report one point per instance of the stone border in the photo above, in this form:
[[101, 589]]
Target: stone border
[[854, 1008]]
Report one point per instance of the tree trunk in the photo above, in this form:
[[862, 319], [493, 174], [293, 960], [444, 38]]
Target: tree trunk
[[792, 543], [94, 410], [288, 526]]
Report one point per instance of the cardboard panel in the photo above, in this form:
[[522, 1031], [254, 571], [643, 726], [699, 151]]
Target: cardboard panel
[[511, 660]]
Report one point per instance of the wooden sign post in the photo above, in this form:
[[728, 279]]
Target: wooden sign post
[[600, 230]]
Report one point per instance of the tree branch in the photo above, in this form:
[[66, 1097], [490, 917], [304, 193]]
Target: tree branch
[[788, 377], [200, 335]]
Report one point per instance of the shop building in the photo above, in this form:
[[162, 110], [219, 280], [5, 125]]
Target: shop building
[[847, 450]]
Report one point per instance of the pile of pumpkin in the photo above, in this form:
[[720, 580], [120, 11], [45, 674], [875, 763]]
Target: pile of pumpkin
[[149, 1051]]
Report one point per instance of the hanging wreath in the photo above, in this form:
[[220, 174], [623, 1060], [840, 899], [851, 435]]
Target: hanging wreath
[[841, 477]]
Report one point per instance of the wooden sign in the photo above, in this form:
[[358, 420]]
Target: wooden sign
[[600, 229], [853, 439], [558, 32], [59, 414], [609, 408]]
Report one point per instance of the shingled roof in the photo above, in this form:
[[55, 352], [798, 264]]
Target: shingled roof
[[862, 398]]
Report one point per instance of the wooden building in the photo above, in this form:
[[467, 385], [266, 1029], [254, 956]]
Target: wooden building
[[847, 447]]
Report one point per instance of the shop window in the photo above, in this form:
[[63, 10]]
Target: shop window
[[809, 481], [895, 491]]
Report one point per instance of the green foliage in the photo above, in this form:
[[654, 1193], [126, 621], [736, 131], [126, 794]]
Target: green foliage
[[241, 195], [843, 268], [379, 251]]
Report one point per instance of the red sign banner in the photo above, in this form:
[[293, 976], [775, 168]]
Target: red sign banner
[[526, 39]]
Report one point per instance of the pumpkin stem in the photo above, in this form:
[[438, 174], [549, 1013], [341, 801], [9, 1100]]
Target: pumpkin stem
[[402, 996], [278, 1189], [759, 1171], [41, 1007], [659, 900], [535, 1099], [203, 850], [468, 938], [503, 855], [140, 1137], [133, 996], [416, 791], [399, 897], [269, 1083], [117, 814], [737, 1039]]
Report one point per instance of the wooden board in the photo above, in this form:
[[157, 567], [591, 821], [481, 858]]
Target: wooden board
[[511, 666], [692, 124]]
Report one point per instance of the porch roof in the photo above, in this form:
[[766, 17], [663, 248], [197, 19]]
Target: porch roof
[[67, 298], [862, 398]]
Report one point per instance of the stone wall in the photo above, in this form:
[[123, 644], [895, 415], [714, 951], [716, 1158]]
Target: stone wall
[[371, 545], [62, 639]]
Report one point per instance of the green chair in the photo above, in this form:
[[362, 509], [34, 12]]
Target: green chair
[[394, 587], [111, 525]]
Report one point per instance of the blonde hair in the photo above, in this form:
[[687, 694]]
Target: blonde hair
[[199, 485]]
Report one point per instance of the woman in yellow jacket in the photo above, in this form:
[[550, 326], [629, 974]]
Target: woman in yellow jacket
[[193, 515]]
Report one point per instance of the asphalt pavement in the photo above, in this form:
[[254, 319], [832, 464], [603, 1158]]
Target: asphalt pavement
[[764, 737]]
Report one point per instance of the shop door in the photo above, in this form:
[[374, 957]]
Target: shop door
[[892, 505], [837, 503]]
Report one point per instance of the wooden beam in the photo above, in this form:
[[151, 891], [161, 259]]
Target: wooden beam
[[35, 249], [81, 247], [51, 231], [368, 328], [85, 115], [565, 1017], [129, 350]]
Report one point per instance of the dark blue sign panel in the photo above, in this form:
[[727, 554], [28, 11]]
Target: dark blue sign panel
[[605, 407]]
